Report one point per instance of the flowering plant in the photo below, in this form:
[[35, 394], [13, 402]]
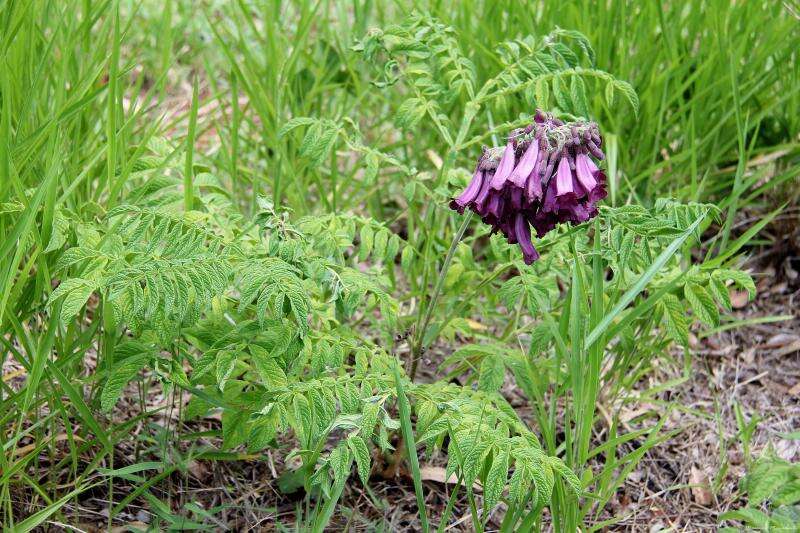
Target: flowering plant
[[545, 175]]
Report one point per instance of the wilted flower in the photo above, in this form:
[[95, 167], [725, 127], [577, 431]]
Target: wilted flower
[[544, 175]]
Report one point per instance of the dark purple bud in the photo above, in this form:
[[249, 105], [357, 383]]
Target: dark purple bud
[[595, 150]]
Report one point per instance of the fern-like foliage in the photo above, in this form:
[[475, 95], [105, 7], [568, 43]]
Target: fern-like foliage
[[261, 316]]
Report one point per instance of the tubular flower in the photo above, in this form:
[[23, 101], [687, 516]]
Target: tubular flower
[[545, 175]]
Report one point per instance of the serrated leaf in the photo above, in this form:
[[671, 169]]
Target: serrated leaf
[[560, 94], [407, 258], [361, 454], [492, 373], [577, 90], [677, 326], [121, 374], [609, 93], [392, 247], [381, 240], [224, 365], [495, 480], [295, 123], [540, 339], [718, 288], [741, 279], [542, 93], [702, 304], [788, 494], [74, 299], [234, 427], [303, 417], [630, 95], [58, 232], [567, 475], [410, 113], [339, 461], [751, 517], [764, 479], [369, 417], [367, 236]]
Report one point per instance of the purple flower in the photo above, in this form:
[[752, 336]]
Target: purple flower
[[523, 235], [469, 194], [544, 176], [504, 168], [525, 166]]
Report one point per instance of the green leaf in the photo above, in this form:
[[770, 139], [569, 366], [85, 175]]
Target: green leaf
[[676, 324], [295, 123], [303, 417], [495, 480], [788, 494], [410, 113], [764, 479], [58, 233], [630, 95], [361, 454], [407, 258], [269, 369], [566, 474], [542, 93], [75, 292], [225, 363], [749, 516], [367, 239], [560, 94], [392, 248], [340, 461], [234, 427], [492, 374], [381, 241], [702, 304], [720, 292], [578, 96], [120, 375], [741, 279]]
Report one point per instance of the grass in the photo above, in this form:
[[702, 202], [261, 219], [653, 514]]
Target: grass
[[87, 88]]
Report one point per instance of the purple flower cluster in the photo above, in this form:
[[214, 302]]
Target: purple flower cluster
[[546, 174]]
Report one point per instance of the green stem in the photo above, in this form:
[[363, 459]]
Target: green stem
[[420, 338], [188, 189]]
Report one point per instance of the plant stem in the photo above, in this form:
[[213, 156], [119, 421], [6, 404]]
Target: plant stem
[[188, 192], [420, 337]]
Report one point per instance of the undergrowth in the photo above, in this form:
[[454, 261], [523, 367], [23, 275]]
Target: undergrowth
[[291, 267]]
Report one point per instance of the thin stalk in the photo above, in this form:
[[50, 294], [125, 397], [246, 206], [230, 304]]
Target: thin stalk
[[188, 189], [415, 353]]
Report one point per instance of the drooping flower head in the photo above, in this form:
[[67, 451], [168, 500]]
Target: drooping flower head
[[545, 175]]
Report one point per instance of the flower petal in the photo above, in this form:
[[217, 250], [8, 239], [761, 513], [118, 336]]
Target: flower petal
[[526, 163], [504, 168]]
